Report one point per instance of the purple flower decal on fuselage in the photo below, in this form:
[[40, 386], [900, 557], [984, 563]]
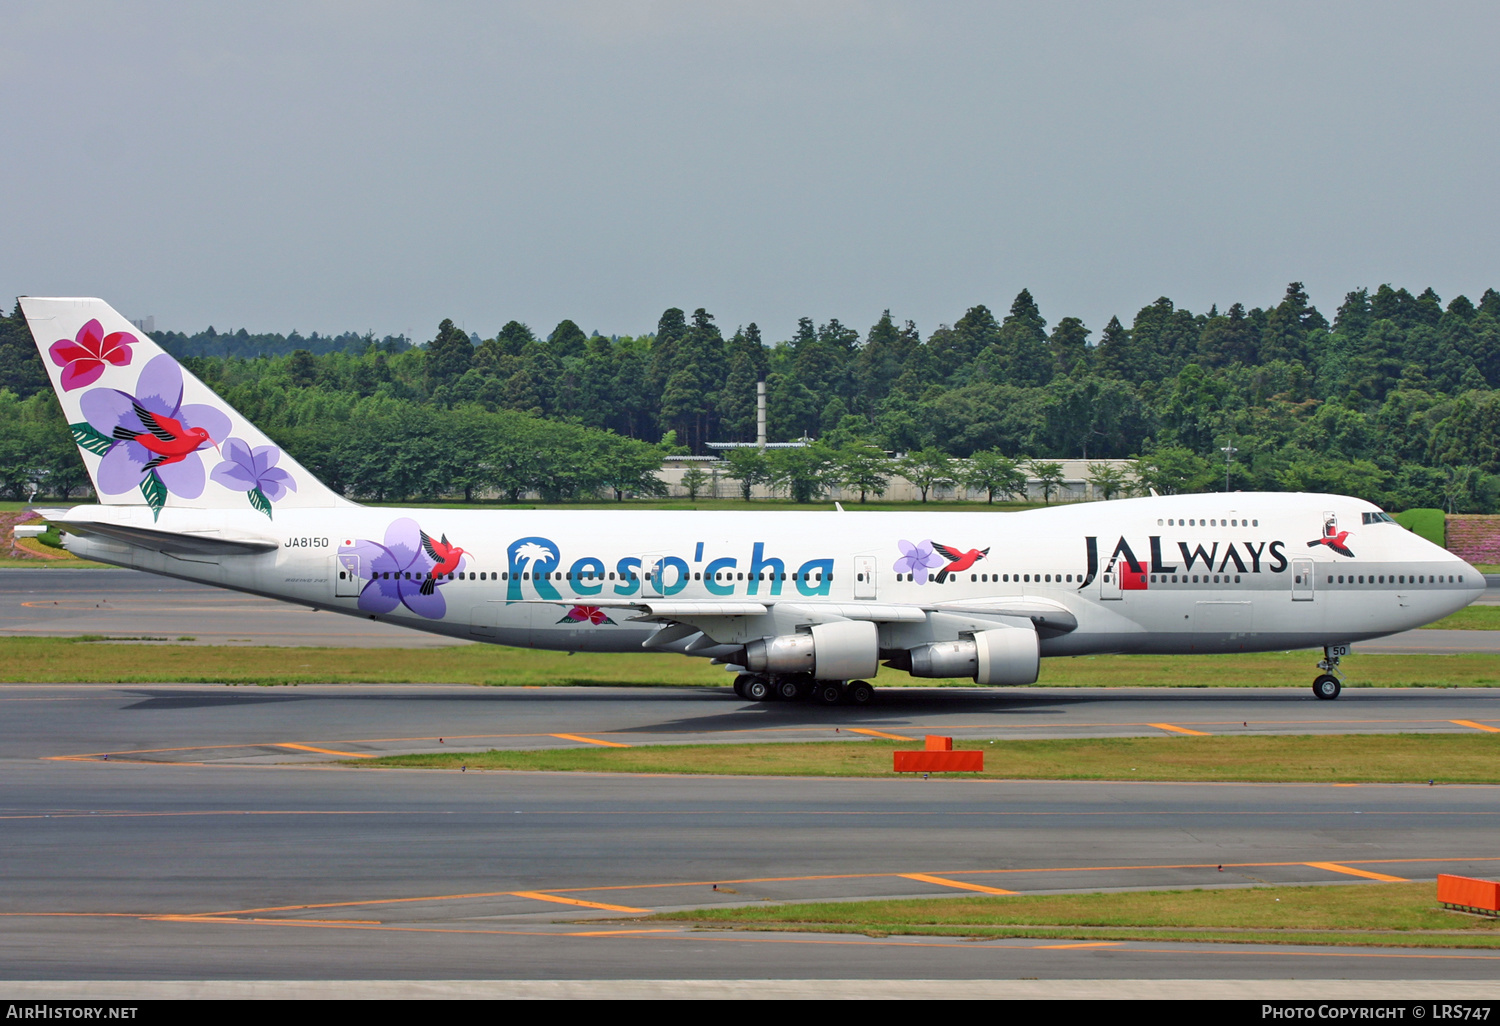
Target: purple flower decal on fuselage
[[254, 472], [149, 440], [917, 559], [83, 358], [394, 572]]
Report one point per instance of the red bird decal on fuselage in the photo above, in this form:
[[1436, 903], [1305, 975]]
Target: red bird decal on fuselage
[[1334, 542], [444, 555], [166, 439], [957, 561]]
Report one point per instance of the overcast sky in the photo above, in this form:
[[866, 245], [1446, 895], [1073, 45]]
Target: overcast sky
[[331, 166]]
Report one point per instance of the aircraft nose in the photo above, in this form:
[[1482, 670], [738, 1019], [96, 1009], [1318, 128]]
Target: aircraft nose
[[1472, 578]]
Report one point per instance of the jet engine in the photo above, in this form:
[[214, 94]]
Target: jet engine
[[1009, 655], [842, 650]]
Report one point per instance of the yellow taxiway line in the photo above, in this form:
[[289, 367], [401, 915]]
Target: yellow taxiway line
[[943, 881], [1334, 867], [589, 740], [324, 751], [540, 896], [1179, 730]]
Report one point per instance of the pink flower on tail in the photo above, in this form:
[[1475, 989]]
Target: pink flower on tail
[[83, 359]]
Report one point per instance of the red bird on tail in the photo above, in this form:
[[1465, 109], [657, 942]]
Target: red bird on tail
[[444, 555], [165, 438]]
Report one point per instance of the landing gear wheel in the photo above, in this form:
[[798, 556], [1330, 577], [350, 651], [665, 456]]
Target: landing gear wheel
[[790, 689], [758, 689], [739, 684], [1327, 686], [828, 692], [860, 692]]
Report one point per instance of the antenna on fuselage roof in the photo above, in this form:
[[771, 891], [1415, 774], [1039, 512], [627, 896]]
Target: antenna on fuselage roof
[[1153, 493], [838, 506]]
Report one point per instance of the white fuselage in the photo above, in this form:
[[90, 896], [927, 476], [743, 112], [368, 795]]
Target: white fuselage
[[1177, 574]]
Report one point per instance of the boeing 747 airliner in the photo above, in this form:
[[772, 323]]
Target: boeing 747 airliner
[[797, 604]]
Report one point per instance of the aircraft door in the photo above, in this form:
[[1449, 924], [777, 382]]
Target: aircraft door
[[1109, 581], [864, 577], [650, 577], [347, 581], [1302, 580]]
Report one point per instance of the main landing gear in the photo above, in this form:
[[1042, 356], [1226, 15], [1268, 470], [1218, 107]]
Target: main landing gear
[[756, 687], [1327, 685]]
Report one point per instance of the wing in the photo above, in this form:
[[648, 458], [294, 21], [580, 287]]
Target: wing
[[165, 428], [951, 555], [427, 547], [1340, 549]]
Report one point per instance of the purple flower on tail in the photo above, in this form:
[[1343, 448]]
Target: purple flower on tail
[[254, 472], [149, 440], [917, 559]]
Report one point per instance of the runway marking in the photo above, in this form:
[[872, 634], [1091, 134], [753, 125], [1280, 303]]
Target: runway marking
[[623, 933], [998, 945], [815, 729], [1334, 867], [589, 740], [945, 882], [541, 896], [1044, 869], [324, 751], [1086, 944], [535, 895]]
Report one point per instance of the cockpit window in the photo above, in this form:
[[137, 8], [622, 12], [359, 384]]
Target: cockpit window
[[1378, 518]]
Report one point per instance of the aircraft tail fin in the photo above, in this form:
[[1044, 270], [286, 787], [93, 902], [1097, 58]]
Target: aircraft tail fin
[[150, 433]]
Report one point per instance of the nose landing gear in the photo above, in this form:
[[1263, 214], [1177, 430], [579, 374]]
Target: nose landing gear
[[1327, 684]]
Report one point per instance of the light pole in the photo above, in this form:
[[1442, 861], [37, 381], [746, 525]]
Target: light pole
[[1228, 451]]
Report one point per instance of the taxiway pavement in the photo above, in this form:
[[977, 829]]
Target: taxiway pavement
[[128, 603], [252, 856]]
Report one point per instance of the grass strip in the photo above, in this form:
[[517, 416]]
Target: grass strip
[[1473, 618], [1376, 914], [1470, 758], [93, 661]]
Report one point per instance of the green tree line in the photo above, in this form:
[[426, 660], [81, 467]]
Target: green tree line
[[1394, 398]]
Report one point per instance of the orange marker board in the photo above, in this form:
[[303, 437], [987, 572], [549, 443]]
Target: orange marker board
[[939, 762], [938, 744], [1468, 892]]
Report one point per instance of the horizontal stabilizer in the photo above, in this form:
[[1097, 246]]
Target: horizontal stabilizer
[[194, 544]]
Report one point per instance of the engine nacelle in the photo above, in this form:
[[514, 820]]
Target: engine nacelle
[[842, 650], [1009, 655], [946, 659]]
